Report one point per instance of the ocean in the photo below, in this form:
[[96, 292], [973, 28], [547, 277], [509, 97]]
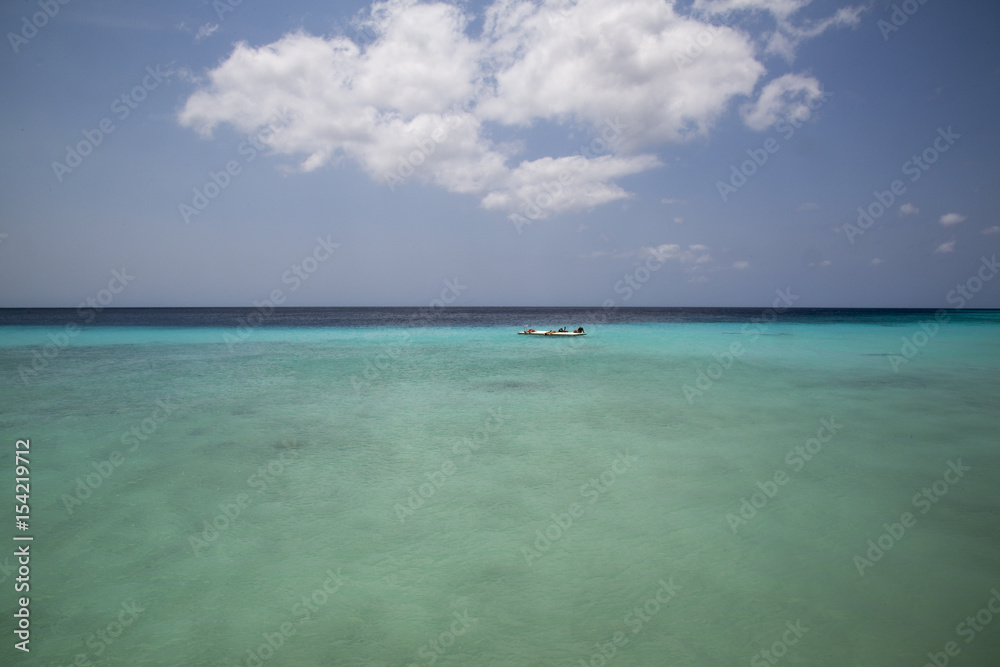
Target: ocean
[[407, 486]]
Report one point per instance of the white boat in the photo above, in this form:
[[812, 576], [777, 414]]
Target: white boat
[[532, 332]]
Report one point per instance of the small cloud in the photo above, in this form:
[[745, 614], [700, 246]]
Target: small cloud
[[945, 247], [741, 265], [581, 228], [995, 229], [699, 279], [875, 262], [671, 201], [825, 262], [679, 220], [789, 97], [593, 254], [949, 219], [206, 30], [808, 206], [908, 209], [694, 254]]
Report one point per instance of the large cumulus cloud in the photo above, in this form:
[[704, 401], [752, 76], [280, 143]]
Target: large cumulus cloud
[[419, 99]]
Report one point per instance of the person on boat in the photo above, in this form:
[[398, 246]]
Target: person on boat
[[580, 330], [562, 330]]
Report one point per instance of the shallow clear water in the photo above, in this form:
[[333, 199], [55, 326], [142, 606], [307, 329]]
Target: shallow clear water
[[472, 497]]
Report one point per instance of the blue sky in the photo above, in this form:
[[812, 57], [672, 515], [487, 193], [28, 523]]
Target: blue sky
[[698, 153]]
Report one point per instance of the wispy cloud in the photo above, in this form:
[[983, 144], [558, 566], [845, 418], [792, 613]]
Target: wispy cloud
[[672, 252], [950, 219], [788, 32], [945, 248], [908, 209], [741, 265], [788, 96], [995, 229], [206, 30]]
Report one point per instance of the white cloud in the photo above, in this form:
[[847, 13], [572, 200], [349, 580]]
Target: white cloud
[[875, 262], [679, 220], [740, 266], [824, 262], [669, 252], [945, 247], [908, 209], [787, 97], [950, 219], [808, 206], [787, 34], [206, 30], [543, 184], [995, 229], [601, 59], [663, 252], [393, 109], [418, 95]]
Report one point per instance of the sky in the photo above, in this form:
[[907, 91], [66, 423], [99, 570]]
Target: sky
[[575, 153]]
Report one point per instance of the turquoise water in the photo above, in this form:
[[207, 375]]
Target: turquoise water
[[460, 495]]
